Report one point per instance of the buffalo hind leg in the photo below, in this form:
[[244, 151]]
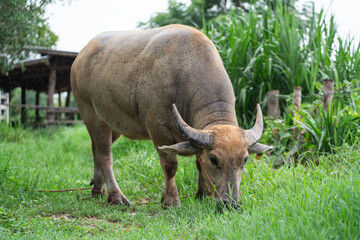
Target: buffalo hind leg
[[98, 179], [170, 195], [102, 138]]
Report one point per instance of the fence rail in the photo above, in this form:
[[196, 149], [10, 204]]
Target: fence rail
[[58, 111], [52, 109]]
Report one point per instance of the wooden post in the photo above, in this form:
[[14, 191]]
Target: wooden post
[[68, 97], [69, 116], [37, 103], [58, 115], [60, 99], [297, 97], [328, 88], [273, 104], [23, 109], [51, 89]]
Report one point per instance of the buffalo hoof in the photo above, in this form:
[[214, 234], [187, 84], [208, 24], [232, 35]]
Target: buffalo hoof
[[200, 196], [119, 201], [95, 192], [170, 202], [97, 189]]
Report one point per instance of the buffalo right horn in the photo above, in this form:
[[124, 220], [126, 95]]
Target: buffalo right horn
[[197, 137], [254, 134]]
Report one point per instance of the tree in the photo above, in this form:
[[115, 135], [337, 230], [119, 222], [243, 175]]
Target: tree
[[22, 27], [196, 14], [199, 12]]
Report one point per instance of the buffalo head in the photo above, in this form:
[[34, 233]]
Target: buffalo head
[[222, 151]]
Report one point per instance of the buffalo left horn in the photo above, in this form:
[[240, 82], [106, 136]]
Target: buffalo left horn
[[197, 137], [253, 135]]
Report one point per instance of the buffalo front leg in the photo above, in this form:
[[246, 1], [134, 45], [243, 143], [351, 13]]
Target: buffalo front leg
[[102, 139], [170, 195]]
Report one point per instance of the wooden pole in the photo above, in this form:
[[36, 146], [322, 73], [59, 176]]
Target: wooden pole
[[58, 115], [67, 104], [297, 97], [60, 99], [37, 103], [23, 101], [328, 88], [273, 104], [51, 89], [68, 97]]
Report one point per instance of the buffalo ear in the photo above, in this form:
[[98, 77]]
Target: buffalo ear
[[183, 148], [259, 148]]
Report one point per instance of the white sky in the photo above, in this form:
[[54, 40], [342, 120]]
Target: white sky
[[76, 23]]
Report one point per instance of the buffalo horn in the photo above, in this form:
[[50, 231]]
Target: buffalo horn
[[253, 135], [197, 137]]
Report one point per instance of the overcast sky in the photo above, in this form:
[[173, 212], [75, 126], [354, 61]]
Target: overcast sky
[[76, 23]]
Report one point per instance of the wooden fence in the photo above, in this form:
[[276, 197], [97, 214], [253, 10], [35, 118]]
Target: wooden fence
[[63, 115], [69, 113]]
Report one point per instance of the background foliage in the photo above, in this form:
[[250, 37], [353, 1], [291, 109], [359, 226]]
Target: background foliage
[[22, 27]]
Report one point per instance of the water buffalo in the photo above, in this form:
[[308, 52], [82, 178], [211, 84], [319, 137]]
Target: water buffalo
[[169, 85]]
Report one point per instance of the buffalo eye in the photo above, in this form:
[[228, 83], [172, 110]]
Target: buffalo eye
[[245, 160], [214, 160]]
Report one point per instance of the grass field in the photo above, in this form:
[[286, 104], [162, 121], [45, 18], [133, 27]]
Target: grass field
[[317, 201]]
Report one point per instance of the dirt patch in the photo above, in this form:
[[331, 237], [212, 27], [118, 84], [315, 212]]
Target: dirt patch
[[65, 217], [60, 217]]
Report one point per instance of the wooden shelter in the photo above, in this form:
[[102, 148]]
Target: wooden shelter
[[50, 73]]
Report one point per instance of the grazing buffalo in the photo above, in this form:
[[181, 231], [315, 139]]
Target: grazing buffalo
[[169, 85]]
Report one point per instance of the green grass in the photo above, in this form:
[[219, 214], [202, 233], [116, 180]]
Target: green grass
[[304, 202]]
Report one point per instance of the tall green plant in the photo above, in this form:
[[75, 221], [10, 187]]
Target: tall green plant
[[262, 49], [330, 129]]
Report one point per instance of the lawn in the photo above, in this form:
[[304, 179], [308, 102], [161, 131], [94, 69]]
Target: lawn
[[317, 200]]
